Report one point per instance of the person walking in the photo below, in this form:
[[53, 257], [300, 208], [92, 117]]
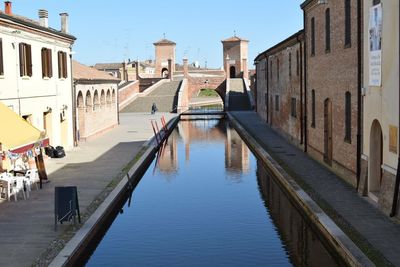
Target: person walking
[[153, 108]]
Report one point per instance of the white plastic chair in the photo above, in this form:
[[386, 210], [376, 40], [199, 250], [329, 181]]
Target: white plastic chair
[[7, 187], [32, 177]]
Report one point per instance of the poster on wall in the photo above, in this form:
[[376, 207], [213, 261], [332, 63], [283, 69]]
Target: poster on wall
[[375, 45]]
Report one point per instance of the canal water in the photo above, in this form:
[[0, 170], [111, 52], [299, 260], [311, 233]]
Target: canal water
[[207, 201]]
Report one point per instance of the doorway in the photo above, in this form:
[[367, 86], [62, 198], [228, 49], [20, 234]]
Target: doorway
[[164, 73], [375, 160], [48, 125], [328, 131], [232, 72]]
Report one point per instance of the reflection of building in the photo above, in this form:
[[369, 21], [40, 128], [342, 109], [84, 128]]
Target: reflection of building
[[35, 73], [168, 159], [236, 153], [304, 245], [381, 111]]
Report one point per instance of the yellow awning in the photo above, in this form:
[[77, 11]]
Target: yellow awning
[[16, 134]]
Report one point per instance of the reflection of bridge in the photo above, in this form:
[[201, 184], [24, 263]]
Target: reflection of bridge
[[196, 131]]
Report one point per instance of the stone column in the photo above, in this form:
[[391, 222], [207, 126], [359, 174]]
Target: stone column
[[227, 74], [245, 69], [185, 68], [170, 70], [137, 64]]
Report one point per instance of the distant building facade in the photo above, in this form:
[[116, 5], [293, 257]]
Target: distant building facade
[[164, 52], [96, 95], [35, 73], [235, 56]]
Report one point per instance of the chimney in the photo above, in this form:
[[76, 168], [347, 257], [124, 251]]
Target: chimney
[[7, 7], [64, 22], [44, 18]]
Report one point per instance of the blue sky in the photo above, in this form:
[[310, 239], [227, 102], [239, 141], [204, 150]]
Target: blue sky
[[109, 31]]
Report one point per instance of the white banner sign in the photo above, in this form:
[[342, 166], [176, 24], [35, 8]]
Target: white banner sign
[[375, 46]]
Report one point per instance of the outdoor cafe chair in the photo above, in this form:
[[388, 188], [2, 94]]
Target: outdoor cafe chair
[[32, 176], [7, 187]]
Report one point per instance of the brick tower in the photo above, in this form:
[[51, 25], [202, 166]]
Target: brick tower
[[236, 53], [164, 50]]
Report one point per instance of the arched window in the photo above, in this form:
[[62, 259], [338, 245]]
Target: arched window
[[96, 101], [102, 98], [327, 30], [79, 100], [347, 119], [347, 23], [113, 96], [108, 97], [313, 108], [88, 101]]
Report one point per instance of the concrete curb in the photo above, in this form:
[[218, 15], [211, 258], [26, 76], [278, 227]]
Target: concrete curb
[[74, 250], [334, 236]]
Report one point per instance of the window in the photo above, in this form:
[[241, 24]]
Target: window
[[293, 107], [313, 108], [47, 66], [312, 36], [290, 64], [277, 68], [270, 69], [347, 136], [327, 30], [277, 102], [25, 60], [62, 65], [297, 63], [1, 58], [347, 23]]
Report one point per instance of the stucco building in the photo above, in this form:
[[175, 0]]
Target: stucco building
[[35, 73], [381, 102], [96, 95]]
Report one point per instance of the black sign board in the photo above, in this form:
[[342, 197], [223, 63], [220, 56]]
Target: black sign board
[[66, 205]]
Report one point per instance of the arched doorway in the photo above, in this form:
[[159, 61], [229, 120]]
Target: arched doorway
[[232, 72], [164, 73], [81, 115], [375, 160], [328, 131]]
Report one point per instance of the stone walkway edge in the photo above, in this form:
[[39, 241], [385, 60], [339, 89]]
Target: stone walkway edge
[[75, 248], [336, 238]]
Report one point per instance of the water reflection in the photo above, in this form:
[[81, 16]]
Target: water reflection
[[206, 131], [304, 246]]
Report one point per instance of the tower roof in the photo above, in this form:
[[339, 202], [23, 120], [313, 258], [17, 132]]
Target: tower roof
[[235, 39], [164, 42]]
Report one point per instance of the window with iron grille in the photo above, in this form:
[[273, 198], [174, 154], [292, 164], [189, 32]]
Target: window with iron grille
[[277, 102], [62, 64], [293, 107], [25, 60], [297, 63], [290, 64], [47, 66]]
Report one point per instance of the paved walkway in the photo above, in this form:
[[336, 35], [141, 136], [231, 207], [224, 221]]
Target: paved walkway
[[339, 200], [27, 226]]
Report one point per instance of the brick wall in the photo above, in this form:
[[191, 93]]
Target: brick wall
[[331, 74], [127, 92], [197, 83]]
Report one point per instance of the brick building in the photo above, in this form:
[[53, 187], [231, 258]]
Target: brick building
[[235, 55], [279, 87], [332, 78], [165, 57]]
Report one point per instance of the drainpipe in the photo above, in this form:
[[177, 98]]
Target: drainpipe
[[267, 80], [396, 187], [359, 85], [305, 84], [301, 91]]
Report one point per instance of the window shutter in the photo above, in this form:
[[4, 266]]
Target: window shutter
[[21, 60], [49, 63], [1, 57], [65, 65], [43, 62], [59, 64], [29, 60]]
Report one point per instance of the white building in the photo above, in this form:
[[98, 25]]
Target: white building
[[35, 73], [381, 103]]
